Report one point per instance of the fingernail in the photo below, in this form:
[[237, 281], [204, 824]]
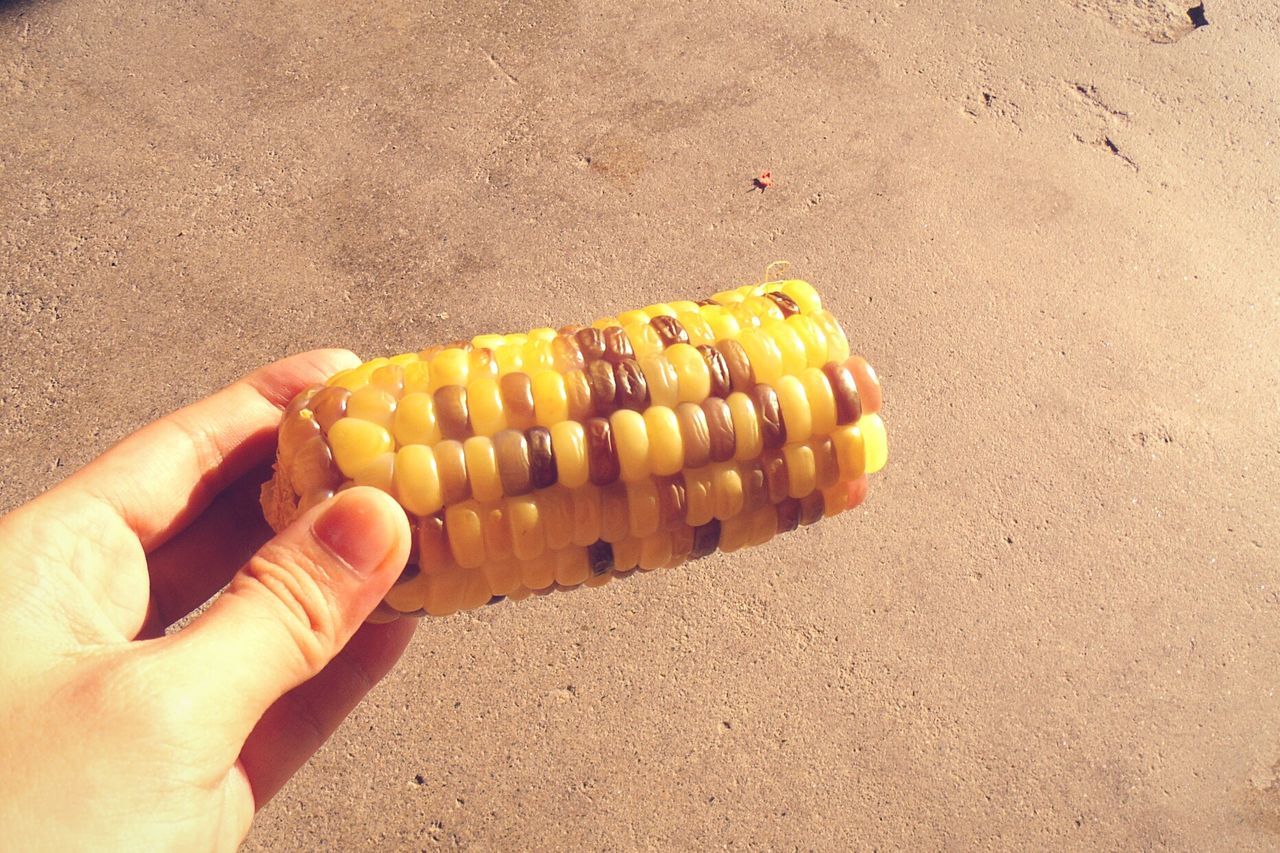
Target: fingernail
[[358, 530]]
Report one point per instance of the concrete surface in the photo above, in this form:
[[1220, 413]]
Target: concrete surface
[[1051, 226]]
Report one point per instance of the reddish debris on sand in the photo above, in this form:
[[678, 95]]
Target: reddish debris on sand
[[763, 181]]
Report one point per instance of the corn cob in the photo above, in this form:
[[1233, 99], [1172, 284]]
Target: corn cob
[[562, 458]]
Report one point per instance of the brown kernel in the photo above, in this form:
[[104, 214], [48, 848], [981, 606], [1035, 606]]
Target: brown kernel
[[693, 435], [514, 467], [600, 557], [617, 346], [721, 383], [602, 455], [451, 463], [721, 439], [452, 413], [631, 388], [517, 399], [706, 539], [603, 388], [577, 388], [788, 515], [329, 406], [742, 376], [785, 303], [812, 508], [669, 330], [775, 476], [773, 432], [542, 461], [591, 342], [845, 391]]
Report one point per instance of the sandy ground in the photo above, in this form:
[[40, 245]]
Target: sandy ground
[[1051, 226]]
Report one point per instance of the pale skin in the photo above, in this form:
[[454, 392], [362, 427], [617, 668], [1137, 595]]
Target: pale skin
[[116, 735]]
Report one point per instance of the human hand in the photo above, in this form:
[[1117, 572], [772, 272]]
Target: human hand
[[116, 735]]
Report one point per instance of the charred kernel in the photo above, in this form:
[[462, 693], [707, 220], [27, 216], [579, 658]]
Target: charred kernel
[[706, 538], [785, 303], [741, 375], [773, 432], [602, 455], [600, 557], [864, 375], [591, 342], [514, 467], [788, 515], [777, 483], [693, 435], [672, 502], [542, 461], [845, 391], [721, 384], [329, 406], [631, 389], [616, 345], [603, 388], [452, 413], [703, 302], [517, 400], [669, 330], [719, 429], [811, 508]]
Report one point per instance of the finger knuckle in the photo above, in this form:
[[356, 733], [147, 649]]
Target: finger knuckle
[[299, 602]]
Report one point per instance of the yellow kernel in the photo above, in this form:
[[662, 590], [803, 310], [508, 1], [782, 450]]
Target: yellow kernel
[[417, 377], [484, 400], [415, 420], [875, 441], [373, 404], [450, 366], [642, 500], [550, 399], [631, 439], [356, 443], [803, 294], [802, 472], [660, 376], [795, 408], [666, 447], [527, 541], [851, 454], [417, 481], [822, 405], [378, 472], [482, 468], [466, 533], [569, 445], [693, 378], [763, 354]]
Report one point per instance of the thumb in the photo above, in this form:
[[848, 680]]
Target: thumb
[[297, 602]]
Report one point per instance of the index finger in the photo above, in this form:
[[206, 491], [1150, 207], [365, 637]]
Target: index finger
[[162, 476]]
